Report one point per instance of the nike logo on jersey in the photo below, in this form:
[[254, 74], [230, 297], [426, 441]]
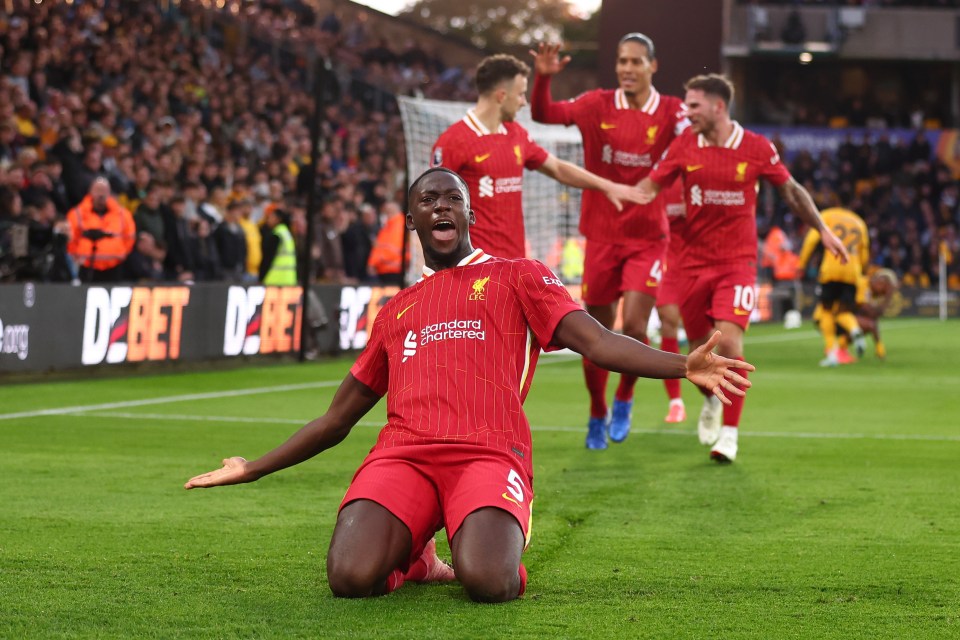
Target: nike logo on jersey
[[653, 283], [740, 312], [507, 496], [479, 159], [693, 167], [606, 125], [400, 315]]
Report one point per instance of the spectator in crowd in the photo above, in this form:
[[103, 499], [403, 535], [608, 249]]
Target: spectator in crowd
[[145, 263], [231, 244], [102, 234], [386, 259], [279, 265], [149, 216], [358, 241]]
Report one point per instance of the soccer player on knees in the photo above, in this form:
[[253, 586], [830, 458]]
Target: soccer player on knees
[[624, 132], [455, 355], [490, 151], [720, 162]]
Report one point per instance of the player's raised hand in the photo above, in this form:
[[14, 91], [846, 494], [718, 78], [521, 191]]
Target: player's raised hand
[[832, 244], [547, 60], [233, 471], [710, 371]]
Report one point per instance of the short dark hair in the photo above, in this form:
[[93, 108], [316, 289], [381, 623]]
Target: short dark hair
[[640, 38], [496, 69], [423, 175], [712, 84]]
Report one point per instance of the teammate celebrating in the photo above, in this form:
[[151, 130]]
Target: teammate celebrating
[[624, 132], [720, 162], [490, 151], [455, 355]]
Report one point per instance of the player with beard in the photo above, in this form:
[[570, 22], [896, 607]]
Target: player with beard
[[720, 163], [624, 132], [455, 355], [490, 151]]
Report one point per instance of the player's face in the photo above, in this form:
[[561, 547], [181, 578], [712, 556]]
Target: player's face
[[634, 68], [880, 287], [440, 214], [702, 110], [514, 98]]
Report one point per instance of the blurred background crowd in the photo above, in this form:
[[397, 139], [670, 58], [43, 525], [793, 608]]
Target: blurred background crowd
[[206, 144]]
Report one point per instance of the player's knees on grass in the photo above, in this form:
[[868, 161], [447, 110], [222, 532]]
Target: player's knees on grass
[[353, 580], [486, 555], [489, 581]]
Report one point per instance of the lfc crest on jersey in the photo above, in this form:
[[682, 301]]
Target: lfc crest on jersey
[[652, 134], [478, 289], [741, 172]]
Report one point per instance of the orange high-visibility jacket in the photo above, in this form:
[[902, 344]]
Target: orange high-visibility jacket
[[111, 251], [387, 253]]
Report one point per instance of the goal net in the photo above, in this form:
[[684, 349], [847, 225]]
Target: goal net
[[551, 211]]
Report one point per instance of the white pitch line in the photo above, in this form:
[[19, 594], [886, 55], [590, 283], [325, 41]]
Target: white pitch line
[[558, 359], [168, 399], [663, 432]]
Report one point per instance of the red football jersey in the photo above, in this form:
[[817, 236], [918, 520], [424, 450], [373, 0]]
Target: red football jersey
[[620, 144], [676, 210], [720, 190], [492, 165], [455, 353]]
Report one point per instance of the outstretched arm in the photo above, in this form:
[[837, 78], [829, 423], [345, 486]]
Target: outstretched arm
[[546, 63], [800, 202], [351, 402], [574, 176], [586, 336], [648, 190]]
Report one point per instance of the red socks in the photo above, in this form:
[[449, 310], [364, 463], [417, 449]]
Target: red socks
[[731, 412], [671, 345], [523, 579], [596, 379]]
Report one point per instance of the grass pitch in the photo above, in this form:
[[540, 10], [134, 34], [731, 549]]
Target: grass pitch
[[840, 518]]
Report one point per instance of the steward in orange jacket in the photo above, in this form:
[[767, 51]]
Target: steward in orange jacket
[[386, 257], [103, 235]]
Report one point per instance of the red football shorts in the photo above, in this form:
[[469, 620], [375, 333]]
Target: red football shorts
[[723, 292], [671, 291], [610, 269], [428, 487]]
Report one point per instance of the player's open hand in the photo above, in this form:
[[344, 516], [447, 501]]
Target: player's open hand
[[710, 371], [619, 193], [832, 244], [233, 471], [547, 60]]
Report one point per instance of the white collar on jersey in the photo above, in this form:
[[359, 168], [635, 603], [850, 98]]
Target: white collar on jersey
[[473, 122], [733, 142], [476, 257], [649, 107]]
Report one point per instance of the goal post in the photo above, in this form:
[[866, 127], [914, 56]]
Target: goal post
[[551, 211]]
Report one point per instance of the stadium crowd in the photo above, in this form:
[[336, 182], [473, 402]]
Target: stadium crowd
[[198, 143], [203, 142]]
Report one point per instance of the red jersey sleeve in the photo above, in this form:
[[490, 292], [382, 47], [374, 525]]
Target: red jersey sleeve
[[773, 170], [446, 152], [544, 300], [544, 109], [533, 154], [372, 367], [670, 164]]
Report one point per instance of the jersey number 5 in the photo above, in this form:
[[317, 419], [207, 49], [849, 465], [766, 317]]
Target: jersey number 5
[[515, 485]]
